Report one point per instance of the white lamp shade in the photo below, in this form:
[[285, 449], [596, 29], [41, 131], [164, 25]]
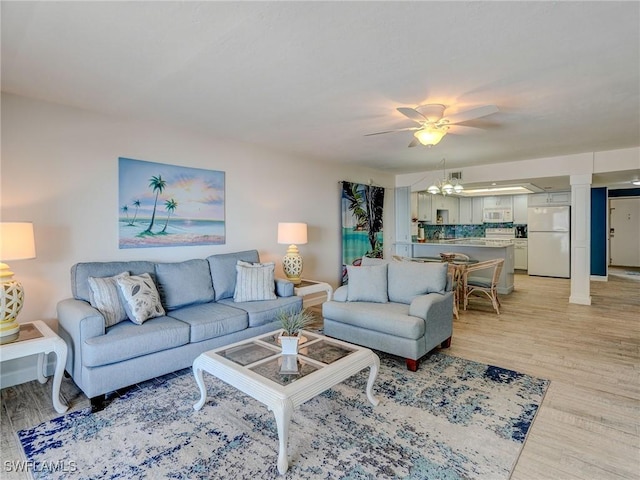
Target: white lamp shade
[[16, 241], [292, 233]]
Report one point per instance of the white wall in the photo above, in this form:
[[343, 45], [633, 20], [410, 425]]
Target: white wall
[[59, 169]]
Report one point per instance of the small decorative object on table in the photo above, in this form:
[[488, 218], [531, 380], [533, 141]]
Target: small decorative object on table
[[291, 324]]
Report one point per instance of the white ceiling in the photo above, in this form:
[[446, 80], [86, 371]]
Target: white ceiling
[[312, 78]]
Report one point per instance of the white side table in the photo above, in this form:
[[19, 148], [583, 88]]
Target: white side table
[[308, 287], [37, 338]]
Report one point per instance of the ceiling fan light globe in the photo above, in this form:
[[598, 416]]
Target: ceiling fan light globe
[[433, 189], [429, 136]]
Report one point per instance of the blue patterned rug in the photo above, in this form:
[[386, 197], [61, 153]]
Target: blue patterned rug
[[453, 419]]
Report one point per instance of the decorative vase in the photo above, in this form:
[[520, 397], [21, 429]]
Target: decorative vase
[[289, 344]]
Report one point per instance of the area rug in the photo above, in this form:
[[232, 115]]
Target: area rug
[[453, 419]]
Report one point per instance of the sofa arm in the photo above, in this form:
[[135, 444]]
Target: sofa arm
[[284, 288], [77, 322], [438, 304], [340, 295]]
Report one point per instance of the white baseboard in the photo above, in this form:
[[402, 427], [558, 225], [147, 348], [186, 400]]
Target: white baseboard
[[599, 278]]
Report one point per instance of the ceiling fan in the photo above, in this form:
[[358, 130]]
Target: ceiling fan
[[434, 125]]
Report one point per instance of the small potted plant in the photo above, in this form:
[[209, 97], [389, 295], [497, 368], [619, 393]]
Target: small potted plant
[[291, 324]]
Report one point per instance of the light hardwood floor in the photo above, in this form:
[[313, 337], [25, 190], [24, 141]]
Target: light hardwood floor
[[589, 424]]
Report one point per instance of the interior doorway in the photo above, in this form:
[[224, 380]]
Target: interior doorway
[[624, 232]]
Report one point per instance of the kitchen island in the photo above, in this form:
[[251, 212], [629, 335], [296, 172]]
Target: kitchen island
[[476, 249]]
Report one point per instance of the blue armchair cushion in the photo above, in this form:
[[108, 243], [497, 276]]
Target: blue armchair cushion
[[184, 283], [367, 284], [409, 279]]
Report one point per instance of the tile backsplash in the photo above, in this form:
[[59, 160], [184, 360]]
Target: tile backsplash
[[460, 231]]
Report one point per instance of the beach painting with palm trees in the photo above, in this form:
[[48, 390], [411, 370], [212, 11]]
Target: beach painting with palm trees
[[362, 208], [163, 205]]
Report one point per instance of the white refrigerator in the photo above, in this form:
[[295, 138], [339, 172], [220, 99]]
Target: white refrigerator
[[549, 241]]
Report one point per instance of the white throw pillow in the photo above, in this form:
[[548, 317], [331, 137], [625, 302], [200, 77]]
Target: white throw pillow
[[254, 282], [103, 295], [367, 284], [141, 298]]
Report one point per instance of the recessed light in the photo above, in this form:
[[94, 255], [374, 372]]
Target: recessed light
[[636, 182]]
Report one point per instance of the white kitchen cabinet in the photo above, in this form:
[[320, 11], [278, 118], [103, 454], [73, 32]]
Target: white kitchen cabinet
[[520, 254], [549, 199], [498, 201], [453, 206], [465, 206], [403, 249], [446, 204], [476, 211], [520, 204], [424, 207], [403, 214]]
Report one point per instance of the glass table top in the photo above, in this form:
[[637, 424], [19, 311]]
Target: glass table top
[[263, 356]]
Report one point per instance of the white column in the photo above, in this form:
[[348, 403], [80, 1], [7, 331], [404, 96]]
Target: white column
[[580, 239]]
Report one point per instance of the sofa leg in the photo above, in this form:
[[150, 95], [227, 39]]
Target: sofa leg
[[446, 343], [412, 365], [98, 403]]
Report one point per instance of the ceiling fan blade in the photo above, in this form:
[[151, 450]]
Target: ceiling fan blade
[[413, 114], [392, 131], [471, 114], [463, 130], [414, 143]]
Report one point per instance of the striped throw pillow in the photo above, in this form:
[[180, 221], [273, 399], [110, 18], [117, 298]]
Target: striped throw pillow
[[254, 282], [104, 296]]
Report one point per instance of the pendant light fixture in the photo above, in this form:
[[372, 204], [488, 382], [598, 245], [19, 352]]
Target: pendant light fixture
[[444, 186]]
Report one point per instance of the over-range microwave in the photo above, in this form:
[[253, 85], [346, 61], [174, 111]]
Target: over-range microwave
[[497, 215]]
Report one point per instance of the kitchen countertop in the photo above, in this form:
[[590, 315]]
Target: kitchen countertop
[[471, 242]]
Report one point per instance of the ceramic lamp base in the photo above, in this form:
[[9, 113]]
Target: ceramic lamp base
[[292, 265], [11, 301]]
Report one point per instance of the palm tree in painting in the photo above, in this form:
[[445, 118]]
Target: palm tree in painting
[[157, 184], [170, 206], [137, 205], [125, 209], [366, 205]]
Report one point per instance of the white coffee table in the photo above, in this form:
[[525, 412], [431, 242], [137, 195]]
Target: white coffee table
[[36, 338], [282, 382]]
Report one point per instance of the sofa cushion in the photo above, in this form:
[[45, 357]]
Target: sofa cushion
[[81, 272], [408, 279], [210, 320], [184, 283], [223, 271], [254, 282], [370, 261], [367, 283], [261, 313], [105, 296], [127, 340], [388, 318], [141, 297]]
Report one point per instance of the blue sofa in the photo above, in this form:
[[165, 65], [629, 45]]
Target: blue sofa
[[401, 308], [200, 314]]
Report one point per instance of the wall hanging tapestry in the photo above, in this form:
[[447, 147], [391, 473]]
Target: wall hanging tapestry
[[452, 419], [164, 205], [362, 207]]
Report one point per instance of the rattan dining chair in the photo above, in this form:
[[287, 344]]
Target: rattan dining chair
[[473, 283]]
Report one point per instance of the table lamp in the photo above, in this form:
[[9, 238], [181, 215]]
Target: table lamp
[[16, 243], [292, 234]]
